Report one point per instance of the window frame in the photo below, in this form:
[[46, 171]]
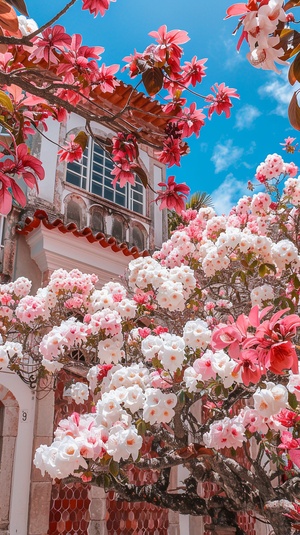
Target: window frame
[[86, 171]]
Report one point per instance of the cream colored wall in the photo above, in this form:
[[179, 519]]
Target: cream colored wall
[[25, 266]]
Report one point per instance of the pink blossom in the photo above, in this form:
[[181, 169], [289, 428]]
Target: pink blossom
[[97, 6], [220, 101], [288, 144], [45, 45], [193, 71], [71, 152], [174, 196], [168, 49], [191, 121]]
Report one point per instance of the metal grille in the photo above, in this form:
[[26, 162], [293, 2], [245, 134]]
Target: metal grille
[[69, 509], [69, 512], [138, 518]]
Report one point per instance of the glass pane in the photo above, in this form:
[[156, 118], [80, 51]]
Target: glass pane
[[120, 199], [138, 208], [137, 196], [109, 164], [73, 179], [109, 194], [97, 168], [97, 189], [75, 167]]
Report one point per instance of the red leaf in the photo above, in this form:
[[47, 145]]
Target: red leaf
[[153, 80], [294, 112]]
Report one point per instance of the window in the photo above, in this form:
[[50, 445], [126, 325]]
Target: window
[[73, 213], [118, 230], [97, 221], [93, 174], [138, 238]]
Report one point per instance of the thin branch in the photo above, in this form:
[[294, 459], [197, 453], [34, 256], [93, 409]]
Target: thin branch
[[26, 40]]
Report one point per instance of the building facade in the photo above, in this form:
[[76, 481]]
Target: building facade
[[78, 220]]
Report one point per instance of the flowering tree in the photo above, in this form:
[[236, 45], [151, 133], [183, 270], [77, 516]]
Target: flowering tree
[[266, 28], [194, 363], [47, 73]]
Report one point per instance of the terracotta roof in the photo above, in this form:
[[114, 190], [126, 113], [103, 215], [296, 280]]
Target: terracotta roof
[[41, 218], [144, 107], [143, 116]]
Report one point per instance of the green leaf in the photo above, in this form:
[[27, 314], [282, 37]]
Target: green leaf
[[292, 401], [156, 363], [262, 270], [114, 468], [141, 428], [6, 103], [106, 481], [218, 390], [239, 275], [153, 80], [81, 139], [181, 397], [271, 267], [296, 281]]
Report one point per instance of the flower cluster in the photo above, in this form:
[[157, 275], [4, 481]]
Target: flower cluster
[[212, 316], [259, 24]]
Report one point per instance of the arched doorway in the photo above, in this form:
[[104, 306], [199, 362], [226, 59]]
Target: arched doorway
[[17, 408]]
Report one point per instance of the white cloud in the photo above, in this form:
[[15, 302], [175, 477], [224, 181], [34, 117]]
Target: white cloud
[[225, 155], [232, 57], [278, 88], [246, 117], [227, 194]]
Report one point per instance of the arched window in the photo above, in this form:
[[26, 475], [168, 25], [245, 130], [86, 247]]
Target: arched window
[[97, 221], [118, 230], [93, 174], [73, 213], [137, 238]]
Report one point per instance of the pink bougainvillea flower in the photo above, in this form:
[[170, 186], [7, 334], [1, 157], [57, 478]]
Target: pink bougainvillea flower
[[24, 165], [231, 336], [191, 121], [236, 10], [105, 78], [71, 152], [173, 149], [273, 340], [77, 58], [123, 174], [193, 71], [5, 195], [124, 147], [288, 144], [97, 6], [249, 364], [287, 418], [134, 63], [53, 38], [167, 49], [174, 196], [220, 101]]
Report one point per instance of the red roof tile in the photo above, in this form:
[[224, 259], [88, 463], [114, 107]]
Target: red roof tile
[[41, 218]]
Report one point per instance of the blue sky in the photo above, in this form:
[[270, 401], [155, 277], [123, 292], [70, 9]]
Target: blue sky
[[228, 151]]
